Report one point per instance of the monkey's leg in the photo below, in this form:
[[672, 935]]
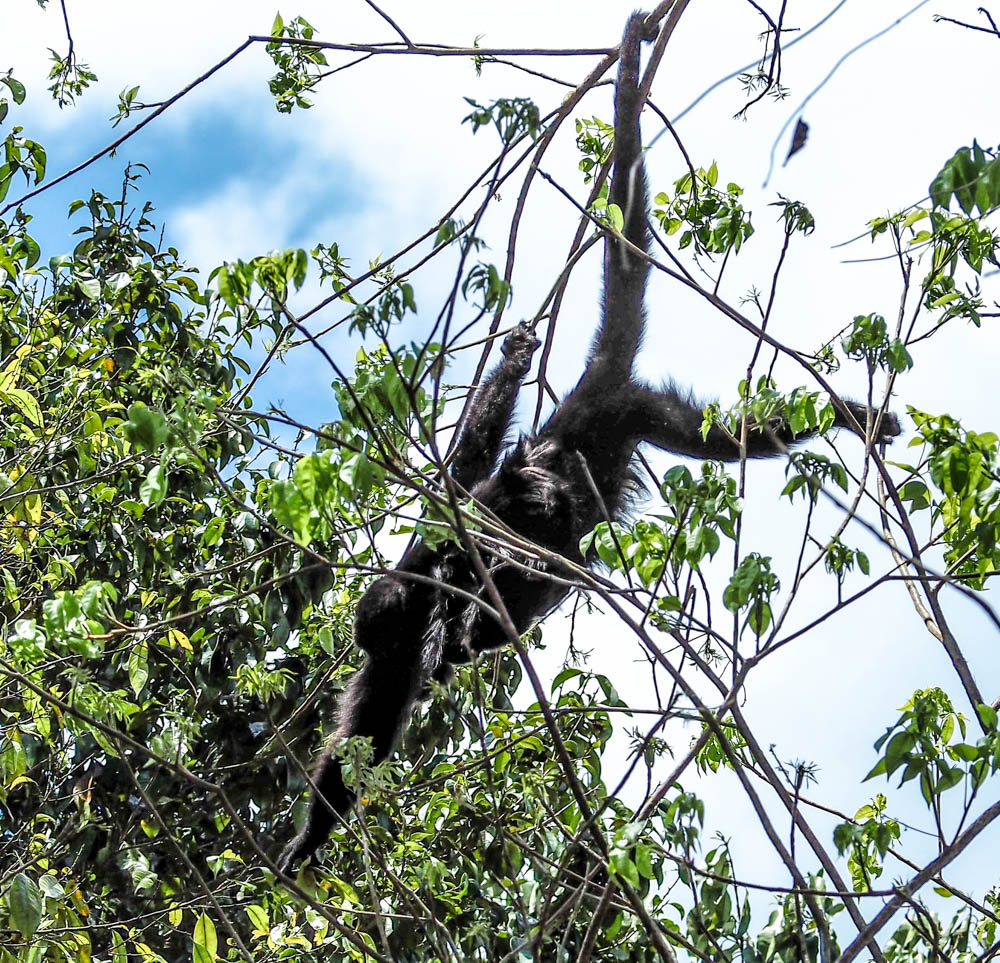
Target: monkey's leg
[[376, 703], [672, 421], [491, 411]]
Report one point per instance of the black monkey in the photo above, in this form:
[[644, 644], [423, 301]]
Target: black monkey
[[413, 631]]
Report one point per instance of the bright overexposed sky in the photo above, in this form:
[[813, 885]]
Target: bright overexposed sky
[[383, 154]]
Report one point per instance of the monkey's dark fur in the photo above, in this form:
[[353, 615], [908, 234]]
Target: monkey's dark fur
[[413, 631]]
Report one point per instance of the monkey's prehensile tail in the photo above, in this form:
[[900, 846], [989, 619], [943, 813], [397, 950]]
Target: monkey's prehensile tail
[[621, 327]]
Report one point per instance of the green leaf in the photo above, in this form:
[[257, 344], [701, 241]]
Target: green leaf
[[291, 510], [89, 287], [356, 472], [616, 217], [118, 952], [206, 943], [988, 715], [568, 673], [943, 186], [258, 916], [138, 668], [16, 88], [625, 868], [643, 860], [213, 531], [897, 751], [898, 357], [38, 160], [877, 770], [25, 905], [26, 404], [146, 428], [51, 887], [154, 489]]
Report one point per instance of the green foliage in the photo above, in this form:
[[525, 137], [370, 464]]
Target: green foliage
[[485, 281], [869, 341], [713, 754], [972, 177], [206, 941], [765, 407], [513, 118], [273, 273], [261, 681], [392, 304], [698, 509], [333, 268], [20, 154], [840, 560], [299, 65], [386, 403], [866, 840], [69, 77], [921, 744], [797, 217], [123, 551], [146, 430], [15, 90], [811, 473], [126, 104], [792, 932], [750, 589], [595, 140], [953, 240], [721, 918], [25, 901], [320, 484], [962, 466], [609, 214], [714, 219], [965, 935]]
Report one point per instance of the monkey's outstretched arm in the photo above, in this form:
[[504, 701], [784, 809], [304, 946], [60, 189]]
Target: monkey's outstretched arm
[[670, 420], [492, 409]]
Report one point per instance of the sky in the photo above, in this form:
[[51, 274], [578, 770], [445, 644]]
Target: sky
[[383, 153]]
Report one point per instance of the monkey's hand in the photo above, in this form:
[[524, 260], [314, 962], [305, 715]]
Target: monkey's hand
[[520, 345], [888, 427]]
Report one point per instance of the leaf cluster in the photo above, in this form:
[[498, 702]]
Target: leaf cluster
[[714, 219]]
